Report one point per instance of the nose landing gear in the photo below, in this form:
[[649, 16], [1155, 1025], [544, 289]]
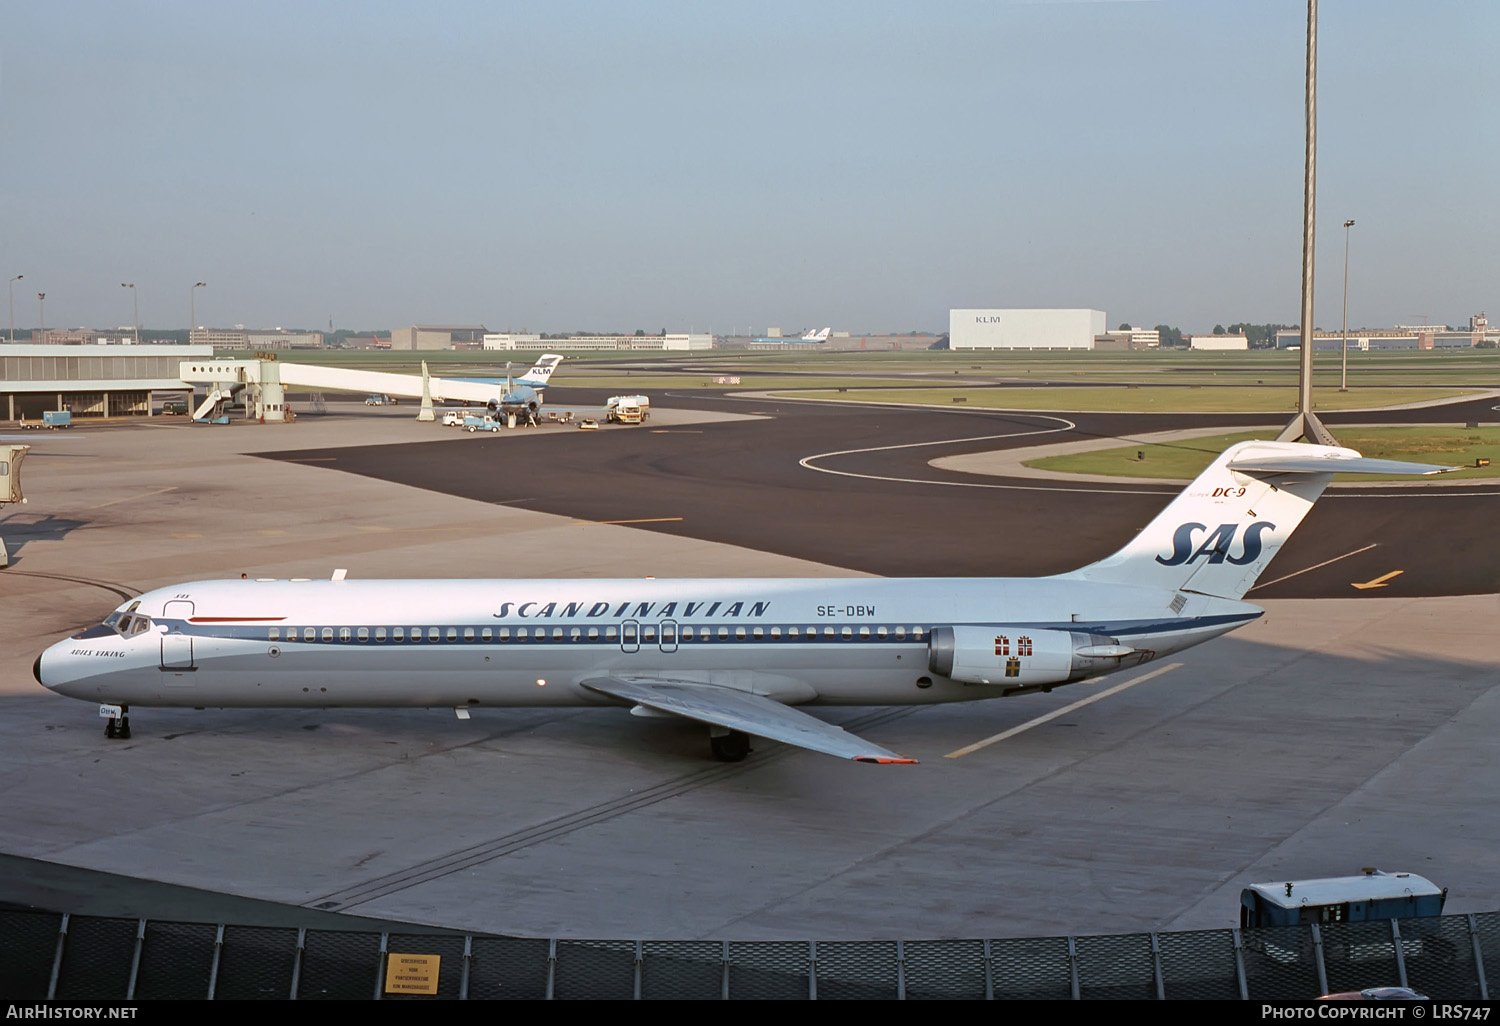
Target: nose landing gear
[[116, 722]]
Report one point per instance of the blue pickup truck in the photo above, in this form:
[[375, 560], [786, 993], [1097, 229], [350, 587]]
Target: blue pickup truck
[[481, 424]]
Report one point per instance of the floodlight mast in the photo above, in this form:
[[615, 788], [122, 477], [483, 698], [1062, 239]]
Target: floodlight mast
[[1344, 345], [1305, 426]]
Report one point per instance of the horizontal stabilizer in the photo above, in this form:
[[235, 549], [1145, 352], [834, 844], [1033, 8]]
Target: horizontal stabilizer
[[1333, 464], [743, 711]]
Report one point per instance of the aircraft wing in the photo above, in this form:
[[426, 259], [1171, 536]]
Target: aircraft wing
[[742, 711]]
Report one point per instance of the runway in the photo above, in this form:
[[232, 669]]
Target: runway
[[1333, 733]]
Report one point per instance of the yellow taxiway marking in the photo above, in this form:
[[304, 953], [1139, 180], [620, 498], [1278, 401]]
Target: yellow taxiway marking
[[673, 431], [271, 531], [127, 498], [1013, 731], [643, 520], [1378, 582], [185, 534], [372, 528]]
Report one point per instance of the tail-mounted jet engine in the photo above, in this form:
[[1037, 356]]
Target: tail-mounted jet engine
[[1024, 660]]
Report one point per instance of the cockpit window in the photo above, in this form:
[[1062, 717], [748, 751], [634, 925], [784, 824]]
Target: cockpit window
[[127, 624]]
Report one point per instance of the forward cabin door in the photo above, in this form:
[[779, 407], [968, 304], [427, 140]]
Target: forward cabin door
[[176, 647]]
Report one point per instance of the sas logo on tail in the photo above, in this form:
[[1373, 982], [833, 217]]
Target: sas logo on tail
[[1216, 545]]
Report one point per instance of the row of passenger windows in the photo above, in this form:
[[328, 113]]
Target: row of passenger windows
[[645, 633]]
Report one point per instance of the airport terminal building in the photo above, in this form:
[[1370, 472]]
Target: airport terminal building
[[1402, 336], [1024, 329], [90, 380], [682, 342]]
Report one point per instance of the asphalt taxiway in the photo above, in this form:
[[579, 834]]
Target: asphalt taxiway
[[1333, 733]]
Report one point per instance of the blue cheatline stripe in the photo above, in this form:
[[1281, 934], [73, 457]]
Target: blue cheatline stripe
[[544, 635]]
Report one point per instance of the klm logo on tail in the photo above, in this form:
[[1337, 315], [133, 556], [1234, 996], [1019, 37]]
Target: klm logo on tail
[[1216, 545]]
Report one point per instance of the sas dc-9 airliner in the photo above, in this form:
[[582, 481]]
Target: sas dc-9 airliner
[[741, 656]]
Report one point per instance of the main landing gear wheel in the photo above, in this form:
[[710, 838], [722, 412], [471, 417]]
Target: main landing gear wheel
[[730, 747]]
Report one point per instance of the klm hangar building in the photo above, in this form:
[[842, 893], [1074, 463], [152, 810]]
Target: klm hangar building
[[1024, 329]]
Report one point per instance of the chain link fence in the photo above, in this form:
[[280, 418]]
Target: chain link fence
[[80, 958]]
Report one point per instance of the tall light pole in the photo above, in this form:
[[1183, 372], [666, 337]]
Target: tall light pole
[[1344, 372], [1306, 425], [11, 287], [41, 303], [137, 302], [193, 308]]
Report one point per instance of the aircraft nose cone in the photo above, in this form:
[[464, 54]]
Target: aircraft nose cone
[[36, 670]]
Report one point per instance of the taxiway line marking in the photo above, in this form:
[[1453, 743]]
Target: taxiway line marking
[[1054, 714], [1315, 566], [643, 520], [1378, 582], [127, 498]]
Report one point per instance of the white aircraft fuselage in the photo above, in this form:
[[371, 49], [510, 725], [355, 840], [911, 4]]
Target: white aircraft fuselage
[[735, 654], [840, 641]]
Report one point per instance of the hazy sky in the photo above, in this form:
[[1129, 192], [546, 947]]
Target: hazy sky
[[565, 164]]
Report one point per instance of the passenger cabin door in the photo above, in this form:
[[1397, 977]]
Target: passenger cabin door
[[176, 647]]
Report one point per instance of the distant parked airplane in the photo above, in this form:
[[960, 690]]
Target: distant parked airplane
[[810, 336], [523, 396]]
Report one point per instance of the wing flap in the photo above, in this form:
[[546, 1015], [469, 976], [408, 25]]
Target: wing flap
[[742, 711]]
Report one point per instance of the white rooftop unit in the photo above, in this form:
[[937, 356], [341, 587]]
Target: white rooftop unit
[[1024, 329]]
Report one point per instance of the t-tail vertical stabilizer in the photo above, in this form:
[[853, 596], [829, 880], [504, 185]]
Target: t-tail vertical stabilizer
[[1221, 533]]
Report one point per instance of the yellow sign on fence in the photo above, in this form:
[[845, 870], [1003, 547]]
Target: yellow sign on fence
[[411, 974]]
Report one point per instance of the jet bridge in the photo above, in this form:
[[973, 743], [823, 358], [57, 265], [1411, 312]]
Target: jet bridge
[[10, 484], [265, 383], [256, 383]]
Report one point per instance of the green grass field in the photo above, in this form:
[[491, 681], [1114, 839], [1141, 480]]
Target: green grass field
[[1185, 459], [1260, 381], [1144, 398]]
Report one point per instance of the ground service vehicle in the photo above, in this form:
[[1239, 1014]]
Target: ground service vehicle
[[627, 409], [1341, 899], [472, 424]]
